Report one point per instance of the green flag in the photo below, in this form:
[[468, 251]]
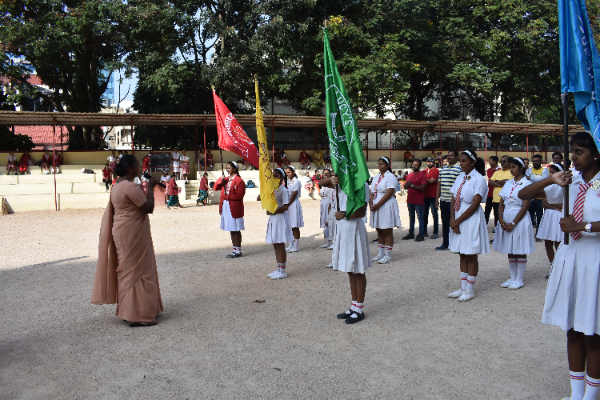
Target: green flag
[[347, 157]]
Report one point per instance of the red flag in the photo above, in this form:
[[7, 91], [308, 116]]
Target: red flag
[[232, 136]]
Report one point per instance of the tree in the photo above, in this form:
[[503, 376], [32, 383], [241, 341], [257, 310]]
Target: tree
[[74, 47]]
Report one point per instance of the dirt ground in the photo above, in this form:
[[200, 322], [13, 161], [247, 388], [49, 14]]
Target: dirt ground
[[213, 340]]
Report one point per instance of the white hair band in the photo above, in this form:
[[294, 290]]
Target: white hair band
[[560, 168], [387, 161], [519, 160], [471, 156], [234, 163], [292, 167], [281, 170]]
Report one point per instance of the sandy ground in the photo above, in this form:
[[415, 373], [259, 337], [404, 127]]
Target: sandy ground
[[215, 342]]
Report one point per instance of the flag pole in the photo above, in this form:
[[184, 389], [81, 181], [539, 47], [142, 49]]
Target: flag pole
[[566, 155]]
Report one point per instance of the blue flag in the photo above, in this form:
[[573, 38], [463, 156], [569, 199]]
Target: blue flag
[[580, 63]]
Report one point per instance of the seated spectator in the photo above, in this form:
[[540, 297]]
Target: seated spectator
[[209, 159], [245, 163], [327, 159], [56, 162], [308, 184], [12, 163], [284, 159], [304, 159], [24, 162], [46, 163], [316, 178], [318, 159]]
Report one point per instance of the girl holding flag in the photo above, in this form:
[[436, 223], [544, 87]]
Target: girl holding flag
[[573, 292], [231, 206]]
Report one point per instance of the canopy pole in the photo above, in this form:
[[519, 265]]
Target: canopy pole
[[390, 135], [527, 142], [62, 155], [273, 139], [441, 143], [196, 151], [205, 160], [485, 144], [54, 160], [566, 155], [131, 124], [367, 135]]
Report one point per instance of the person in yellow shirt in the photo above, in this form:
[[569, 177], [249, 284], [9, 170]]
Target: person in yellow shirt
[[318, 159], [499, 178]]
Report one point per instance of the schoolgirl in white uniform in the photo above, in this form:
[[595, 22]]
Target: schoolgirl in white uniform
[[573, 292], [385, 215], [549, 229], [351, 253], [514, 231], [279, 230], [324, 210], [294, 187], [468, 235]]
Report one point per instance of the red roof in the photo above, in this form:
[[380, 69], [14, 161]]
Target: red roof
[[42, 136], [33, 79]]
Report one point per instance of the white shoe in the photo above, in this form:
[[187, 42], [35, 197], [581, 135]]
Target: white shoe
[[324, 246], [330, 247], [289, 247], [456, 294], [293, 249], [385, 260], [279, 275], [466, 296], [516, 285], [507, 283], [330, 265], [378, 257], [272, 273]]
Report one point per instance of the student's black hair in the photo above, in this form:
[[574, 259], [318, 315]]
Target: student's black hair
[[557, 153], [479, 163], [585, 140], [237, 170], [555, 168], [388, 164], [513, 161], [284, 178], [126, 162], [494, 158]]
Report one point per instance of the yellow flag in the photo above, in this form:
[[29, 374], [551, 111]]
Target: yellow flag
[[268, 185]]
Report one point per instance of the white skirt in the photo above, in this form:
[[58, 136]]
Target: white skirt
[[228, 223], [572, 300], [473, 237], [387, 216], [351, 251], [324, 213], [550, 226], [332, 224], [520, 240], [279, 229], [295, 214]]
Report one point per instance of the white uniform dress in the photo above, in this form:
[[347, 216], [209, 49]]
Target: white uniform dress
[[520, 240], [550, 226], [473, 237], [295, 209], [572, 294], [324, 209], [228, 223], [351, 251], [278, 227], [175, 164], [388, 215]]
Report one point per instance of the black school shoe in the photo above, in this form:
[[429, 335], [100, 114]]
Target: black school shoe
[[345, 315], [419, 238], [234, 255], [359, 318], [408, 237]]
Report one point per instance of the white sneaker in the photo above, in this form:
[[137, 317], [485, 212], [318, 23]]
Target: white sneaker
[[466, 296], [324, 246], [289, 247], [516, 285], [456, 294], [330, 247], [293, 250], [279, 275], [385, 260], [507, 283], [272, 273], [330, 265], [378, 257]]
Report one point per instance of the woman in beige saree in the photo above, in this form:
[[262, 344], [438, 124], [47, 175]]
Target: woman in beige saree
[[126, 273]]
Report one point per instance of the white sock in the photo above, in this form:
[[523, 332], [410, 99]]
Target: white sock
[[577, 385], [381, 249], [521, 265], [388, 251], [591, 388], [359, 308], [282, 267], [512, 265], [463, 281], [296, 242], [237, 249], [353, 306], [470, 283]]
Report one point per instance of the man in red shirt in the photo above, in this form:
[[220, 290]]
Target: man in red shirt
[[432, 174], [415, 185]]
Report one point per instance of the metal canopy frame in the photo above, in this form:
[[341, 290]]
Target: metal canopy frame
[[279, 121]]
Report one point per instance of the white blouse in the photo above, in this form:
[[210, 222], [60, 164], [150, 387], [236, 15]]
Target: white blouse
[[510, 193], [294, 185], [475, 184]]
